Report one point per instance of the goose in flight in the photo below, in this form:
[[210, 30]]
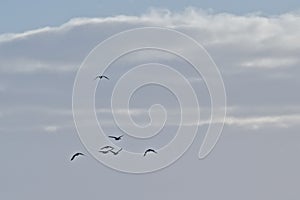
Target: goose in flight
[[116, 138], [75, 155], [104, 151], [149, 150], [107, 148], [101, 77], [116, 152]]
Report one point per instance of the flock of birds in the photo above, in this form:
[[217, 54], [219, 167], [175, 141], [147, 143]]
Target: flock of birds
[[110, 149]]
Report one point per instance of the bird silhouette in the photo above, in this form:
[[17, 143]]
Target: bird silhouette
[[116, 152], [116, 138], [107, 147], [104, 151], [75, 155], [149, 150], [101, 77]]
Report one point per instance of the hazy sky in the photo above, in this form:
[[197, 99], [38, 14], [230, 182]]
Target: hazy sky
[[256, 47]]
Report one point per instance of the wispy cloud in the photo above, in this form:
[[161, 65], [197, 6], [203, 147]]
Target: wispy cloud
[[250, 40], [253, 121], [51, 128], [282, 121], [263, 45], [271, 62]]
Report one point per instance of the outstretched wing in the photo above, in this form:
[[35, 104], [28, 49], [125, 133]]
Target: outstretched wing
[[146, 152], [119, 150], [75, 155], [149, 150], [107, 147], [104, 151], [72, 158]]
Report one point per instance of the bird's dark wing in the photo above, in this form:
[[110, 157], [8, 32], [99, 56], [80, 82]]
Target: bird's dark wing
[[97, 77], [75, 155], [105, 77], [149, 150], [119, 151], [110, 136], [112, 152]]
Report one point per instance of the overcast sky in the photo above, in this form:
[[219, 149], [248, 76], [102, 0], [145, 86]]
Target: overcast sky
[[256, 47]]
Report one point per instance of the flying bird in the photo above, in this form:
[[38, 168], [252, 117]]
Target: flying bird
[[107, 148], [101, 77], [104, 151], [116, 138], [75, 155], [116, 152], [149, 150]]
